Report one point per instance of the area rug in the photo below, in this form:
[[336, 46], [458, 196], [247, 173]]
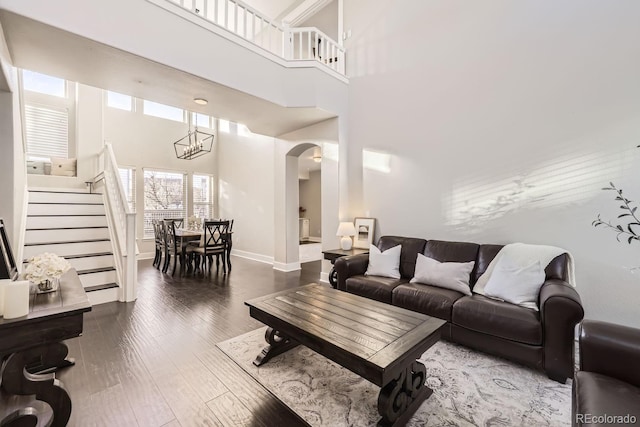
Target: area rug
[[470, 388]]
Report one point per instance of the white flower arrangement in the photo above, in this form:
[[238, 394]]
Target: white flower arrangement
[[194, 223], [46, 266]]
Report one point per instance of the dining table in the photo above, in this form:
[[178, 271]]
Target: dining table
[[189, 235]]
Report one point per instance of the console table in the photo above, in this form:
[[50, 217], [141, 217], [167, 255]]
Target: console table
[[333, 254], [31, 349]]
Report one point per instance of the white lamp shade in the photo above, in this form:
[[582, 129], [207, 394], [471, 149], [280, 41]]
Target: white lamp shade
[[346, 229]]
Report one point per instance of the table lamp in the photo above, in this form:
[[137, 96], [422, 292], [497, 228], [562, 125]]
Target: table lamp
[[346, 230]]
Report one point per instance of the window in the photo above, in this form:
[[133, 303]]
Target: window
[[49, 111], [41, 83], [163, 111], [224, 126], [47, 131], [203, 196], [119, 101], [128, 178], [201, 120], [164, 197]]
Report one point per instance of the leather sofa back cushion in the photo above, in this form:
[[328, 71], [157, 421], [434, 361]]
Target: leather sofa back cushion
[[557, 269], [453, 252], [486, 254], [411, 247]]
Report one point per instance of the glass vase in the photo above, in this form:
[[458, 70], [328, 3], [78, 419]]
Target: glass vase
[[48, 285]]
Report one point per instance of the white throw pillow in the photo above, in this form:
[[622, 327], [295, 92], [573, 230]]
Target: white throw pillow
[[515, 284], [63, 167], [35, 168], [385, 264], [447, 275]]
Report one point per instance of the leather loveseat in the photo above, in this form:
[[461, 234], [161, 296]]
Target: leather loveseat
[[606, 389], [540, 339]]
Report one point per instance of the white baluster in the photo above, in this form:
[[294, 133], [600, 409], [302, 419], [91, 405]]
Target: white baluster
[[308, 44], [215, 12], [235, 18], [226, 14], [316, 49]]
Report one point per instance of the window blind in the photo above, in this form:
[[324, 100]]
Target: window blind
[[47, 131]]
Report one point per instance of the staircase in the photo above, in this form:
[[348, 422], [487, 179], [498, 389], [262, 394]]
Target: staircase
[[73, 225]]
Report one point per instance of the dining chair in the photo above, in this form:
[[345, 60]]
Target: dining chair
[[213, 242], [179, 222], [158, 233], [172, 246]]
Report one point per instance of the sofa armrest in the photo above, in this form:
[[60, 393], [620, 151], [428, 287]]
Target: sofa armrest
[[609, 349], [560, 311], [349, 266]]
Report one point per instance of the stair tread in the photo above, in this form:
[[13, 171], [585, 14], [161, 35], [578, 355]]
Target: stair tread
[[68, 203], [96, 254], [33, 216], [95, 270], [61, 192], [100, 287], [67, 228], [67, 242]]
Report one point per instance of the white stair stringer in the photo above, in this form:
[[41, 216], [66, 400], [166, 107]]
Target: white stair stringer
[[73, 224]]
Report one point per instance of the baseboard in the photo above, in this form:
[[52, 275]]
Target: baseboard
[[281, 266], [252, 256], [324, 277], [315, 239], [145, 255]]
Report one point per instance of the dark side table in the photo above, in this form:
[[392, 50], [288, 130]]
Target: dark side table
[[32, 349], [333, 254]]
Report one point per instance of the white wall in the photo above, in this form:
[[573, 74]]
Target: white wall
[[326, 20], [12, 162], [143, 141], [326, 135], [501, 122], [310, 199], [142, 30], [246, 191]]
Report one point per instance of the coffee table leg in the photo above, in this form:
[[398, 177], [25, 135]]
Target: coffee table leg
[[278, 344], [402, 396]]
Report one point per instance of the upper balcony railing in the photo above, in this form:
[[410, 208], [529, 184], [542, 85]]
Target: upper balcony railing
[[299, 44]]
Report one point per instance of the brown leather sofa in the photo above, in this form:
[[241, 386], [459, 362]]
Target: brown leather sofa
[[543, 340], [608, 381]]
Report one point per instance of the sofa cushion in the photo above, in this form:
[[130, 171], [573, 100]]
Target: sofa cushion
[[498, 318], [430, 300], [374, 287], [443, 251], [486, 254], [447, 275], [384, 263], [411, 247], [598, 394], [515, 284]]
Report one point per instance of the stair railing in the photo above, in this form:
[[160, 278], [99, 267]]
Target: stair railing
[[122, 223], [246, 22], [309, 43]]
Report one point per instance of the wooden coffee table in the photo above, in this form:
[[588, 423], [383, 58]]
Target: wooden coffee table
[[377, 341]]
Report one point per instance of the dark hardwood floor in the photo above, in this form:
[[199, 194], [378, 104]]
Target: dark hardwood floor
[[154, 362]]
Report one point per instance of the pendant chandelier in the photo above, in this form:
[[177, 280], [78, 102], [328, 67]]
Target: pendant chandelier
[[195, 144]]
